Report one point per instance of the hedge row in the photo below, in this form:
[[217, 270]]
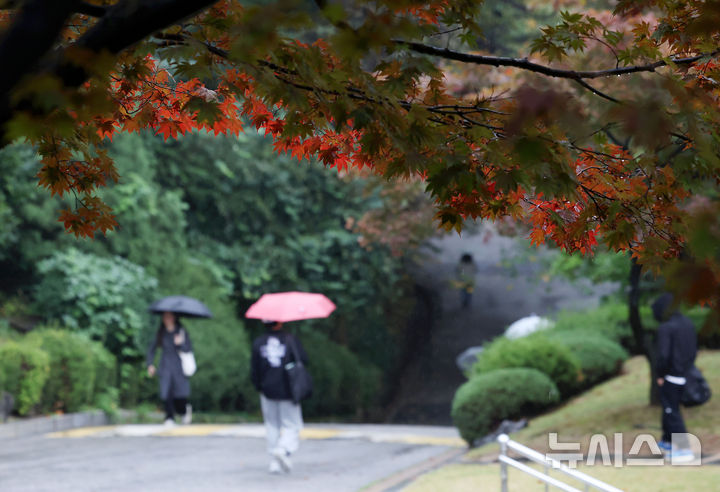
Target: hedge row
[[24, 370], [55, 370]]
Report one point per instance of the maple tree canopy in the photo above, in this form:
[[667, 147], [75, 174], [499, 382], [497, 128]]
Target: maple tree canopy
[[607, 131]]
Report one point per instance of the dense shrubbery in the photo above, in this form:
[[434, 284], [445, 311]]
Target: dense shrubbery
[[221, 382], [486, 399], [609, 320], [105, 369], [581, 349], [72, 372], [24, 370], [80, 369], [137, 387], [104, 298], [534, 352], [344, 385], [55, 370]]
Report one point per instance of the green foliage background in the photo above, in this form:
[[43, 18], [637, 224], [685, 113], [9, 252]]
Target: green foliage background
[[223, 220]]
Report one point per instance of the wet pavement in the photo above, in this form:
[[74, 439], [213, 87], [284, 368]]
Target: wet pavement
[[216, 458]]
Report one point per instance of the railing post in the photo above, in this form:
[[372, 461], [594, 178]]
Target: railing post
[[546, 469], [503, 439]]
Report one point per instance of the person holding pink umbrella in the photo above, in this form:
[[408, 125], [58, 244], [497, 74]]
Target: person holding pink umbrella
[[277, 369], [282, 416]]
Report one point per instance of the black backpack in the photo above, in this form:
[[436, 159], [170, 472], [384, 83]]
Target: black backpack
[[697, 391]]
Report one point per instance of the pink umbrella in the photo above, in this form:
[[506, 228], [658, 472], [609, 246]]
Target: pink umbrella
[[291, 306]]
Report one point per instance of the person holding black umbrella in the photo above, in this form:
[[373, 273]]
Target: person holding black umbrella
[[177, 362], [174, 385]]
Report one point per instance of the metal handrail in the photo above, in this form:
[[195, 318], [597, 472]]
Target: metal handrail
[[507, 443]]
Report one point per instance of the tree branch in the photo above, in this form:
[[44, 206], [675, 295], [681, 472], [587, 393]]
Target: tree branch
[[129, 22], [36, 27], [81, 7], [525, 64], [353, 93], [39, 22], [91, 10]]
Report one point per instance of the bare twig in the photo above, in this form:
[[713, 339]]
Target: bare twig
[[595, 91]]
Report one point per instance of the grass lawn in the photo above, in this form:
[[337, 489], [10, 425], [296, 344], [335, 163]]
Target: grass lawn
[[480, 478], [616, 406], [621, 405]]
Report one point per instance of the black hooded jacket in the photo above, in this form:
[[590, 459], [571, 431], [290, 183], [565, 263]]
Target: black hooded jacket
[[676, 340], [270, 353]]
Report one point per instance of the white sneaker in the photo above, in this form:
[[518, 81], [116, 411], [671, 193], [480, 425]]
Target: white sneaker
[[681, 456], [283, 458], [169, 423], [275, 468], [187, 418]]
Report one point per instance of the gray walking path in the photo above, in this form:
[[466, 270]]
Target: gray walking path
[[332, 458]]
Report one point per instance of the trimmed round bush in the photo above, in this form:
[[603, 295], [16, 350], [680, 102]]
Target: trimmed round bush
[[533, 352], [486, 399], [599, 357], [24, 369]]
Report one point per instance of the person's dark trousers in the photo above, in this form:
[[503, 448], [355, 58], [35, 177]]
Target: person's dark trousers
[[465, 298], [173, 406], [672, 421]]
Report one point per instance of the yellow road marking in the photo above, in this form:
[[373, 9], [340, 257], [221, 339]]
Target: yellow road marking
[[193, 430], [82, 431], [432, 441], [201, 430], [319, 433]]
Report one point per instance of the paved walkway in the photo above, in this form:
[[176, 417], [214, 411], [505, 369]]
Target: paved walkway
[[221, 458], [503, 293]]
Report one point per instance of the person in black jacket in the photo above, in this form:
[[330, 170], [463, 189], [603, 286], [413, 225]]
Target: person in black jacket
[[282, 416], [676, 351]]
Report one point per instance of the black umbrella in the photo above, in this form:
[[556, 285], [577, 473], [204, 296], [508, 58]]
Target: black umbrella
[[181, 305]]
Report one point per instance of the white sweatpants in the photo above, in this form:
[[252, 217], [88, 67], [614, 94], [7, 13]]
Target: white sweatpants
[[283, 422]]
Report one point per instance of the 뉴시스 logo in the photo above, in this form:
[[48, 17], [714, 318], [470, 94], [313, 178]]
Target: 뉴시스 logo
[[686, 450]]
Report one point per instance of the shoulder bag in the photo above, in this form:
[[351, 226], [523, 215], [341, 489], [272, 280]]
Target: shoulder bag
[[299, 378], [697, 390], [187, 361]]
